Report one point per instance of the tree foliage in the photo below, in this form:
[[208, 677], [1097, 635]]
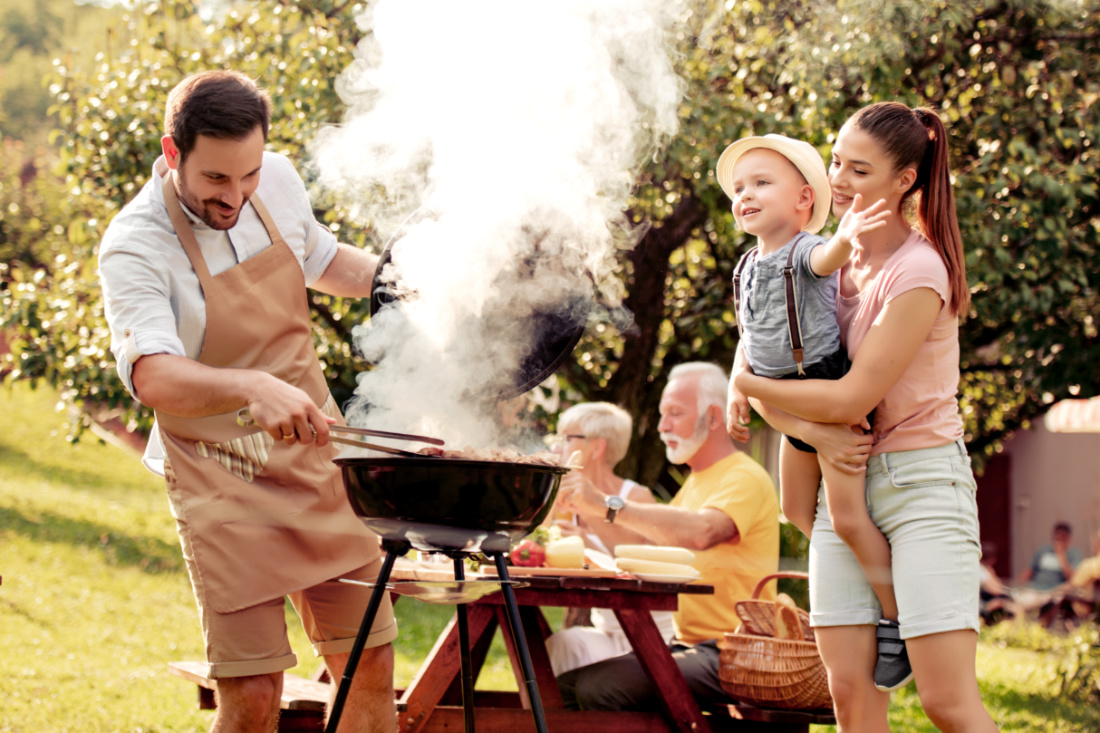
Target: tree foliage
[[1012, 79], [32, 32]]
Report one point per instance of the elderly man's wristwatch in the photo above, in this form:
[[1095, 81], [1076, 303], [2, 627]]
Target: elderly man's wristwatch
[[614, 505]]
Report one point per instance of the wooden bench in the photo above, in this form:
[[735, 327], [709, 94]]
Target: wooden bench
[[303, 707], [748, 719], [303, 701]]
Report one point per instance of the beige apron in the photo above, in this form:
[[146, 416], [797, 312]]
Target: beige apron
[[257, 518]]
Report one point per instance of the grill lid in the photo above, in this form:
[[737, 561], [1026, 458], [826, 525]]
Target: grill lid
[[551, 333]]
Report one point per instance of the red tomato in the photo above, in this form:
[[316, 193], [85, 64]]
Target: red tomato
[[528, 554]]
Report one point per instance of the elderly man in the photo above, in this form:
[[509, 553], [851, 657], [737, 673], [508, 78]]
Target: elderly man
[[727, 512], [204, 276]]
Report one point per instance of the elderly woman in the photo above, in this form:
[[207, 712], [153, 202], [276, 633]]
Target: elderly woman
[[599, 433]]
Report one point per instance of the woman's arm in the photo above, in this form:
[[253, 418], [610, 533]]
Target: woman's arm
[[889, 348], [846, 449]]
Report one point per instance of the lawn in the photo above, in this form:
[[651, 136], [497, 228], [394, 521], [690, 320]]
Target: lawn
[[95, 601]]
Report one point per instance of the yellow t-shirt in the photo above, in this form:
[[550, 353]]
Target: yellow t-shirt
[[742, 489]]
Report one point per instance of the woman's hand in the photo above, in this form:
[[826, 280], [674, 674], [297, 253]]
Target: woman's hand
[[845, 448], [568, 529], [737, 416]]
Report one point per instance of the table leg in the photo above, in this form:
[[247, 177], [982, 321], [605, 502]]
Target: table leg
[[651, 651], [440, 669]]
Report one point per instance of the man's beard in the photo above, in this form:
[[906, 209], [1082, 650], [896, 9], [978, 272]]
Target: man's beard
[[205, 209], [687, 447]]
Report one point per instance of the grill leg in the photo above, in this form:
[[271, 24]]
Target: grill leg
[[521, 643], [464, 654], [393, 551]]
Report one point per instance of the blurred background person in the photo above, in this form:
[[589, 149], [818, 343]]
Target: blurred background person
[[1044, 580], [1083, 589], [995, 598], [1053, 564]]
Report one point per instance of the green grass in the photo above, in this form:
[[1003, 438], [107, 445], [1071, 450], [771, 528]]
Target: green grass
[[95, 602], [1016, 689]]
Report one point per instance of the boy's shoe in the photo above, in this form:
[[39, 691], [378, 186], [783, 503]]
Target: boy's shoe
[[892, 668]]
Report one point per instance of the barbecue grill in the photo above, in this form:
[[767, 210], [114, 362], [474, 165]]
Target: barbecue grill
[[460, 507]]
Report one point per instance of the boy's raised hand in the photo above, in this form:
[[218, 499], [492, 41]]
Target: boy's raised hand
[[857, 220]]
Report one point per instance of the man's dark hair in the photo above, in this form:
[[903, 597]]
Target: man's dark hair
[[222, 104], [1063, 527]]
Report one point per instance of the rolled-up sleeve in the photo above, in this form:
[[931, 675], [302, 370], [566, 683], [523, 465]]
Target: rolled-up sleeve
[[288, 200], [320, 251], [139, 310]]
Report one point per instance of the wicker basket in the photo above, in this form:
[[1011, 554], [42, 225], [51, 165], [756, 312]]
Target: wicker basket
[[768, 672]]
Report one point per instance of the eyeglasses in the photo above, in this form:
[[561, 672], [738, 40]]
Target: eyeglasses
[[562, 438]]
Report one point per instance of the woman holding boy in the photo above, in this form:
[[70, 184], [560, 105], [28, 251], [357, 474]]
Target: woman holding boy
[[901, 295]]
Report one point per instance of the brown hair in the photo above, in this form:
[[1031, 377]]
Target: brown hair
[[918, 138], [222, 104]]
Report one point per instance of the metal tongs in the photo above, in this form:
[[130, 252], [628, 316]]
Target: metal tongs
[[244, 419], [381, 434]]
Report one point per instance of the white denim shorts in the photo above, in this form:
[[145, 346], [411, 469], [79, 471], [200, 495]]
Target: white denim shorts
[[924, 502]]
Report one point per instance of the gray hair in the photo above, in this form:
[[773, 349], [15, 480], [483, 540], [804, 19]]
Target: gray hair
[[712, 383], [602, 420]]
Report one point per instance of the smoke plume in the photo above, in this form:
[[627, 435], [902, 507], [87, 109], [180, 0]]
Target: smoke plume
[[509, 133]]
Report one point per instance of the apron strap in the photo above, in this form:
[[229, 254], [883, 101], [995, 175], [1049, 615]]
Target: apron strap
[[183, 229], [265, 217], [186, 236]]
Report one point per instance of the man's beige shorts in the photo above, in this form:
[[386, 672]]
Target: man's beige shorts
[[253, 641]]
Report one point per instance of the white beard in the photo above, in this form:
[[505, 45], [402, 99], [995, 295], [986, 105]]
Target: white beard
[[686, 448]]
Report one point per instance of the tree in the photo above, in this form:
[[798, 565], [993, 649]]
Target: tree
[[32, 32], [1011, 77]]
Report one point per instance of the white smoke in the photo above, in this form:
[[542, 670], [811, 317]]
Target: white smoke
[[515, 130]]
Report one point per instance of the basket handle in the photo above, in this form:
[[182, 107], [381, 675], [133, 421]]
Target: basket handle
[[796, 575]]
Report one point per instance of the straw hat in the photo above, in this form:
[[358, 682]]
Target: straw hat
[[805, 158]]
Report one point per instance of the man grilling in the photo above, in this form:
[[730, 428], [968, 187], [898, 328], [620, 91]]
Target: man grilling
[[726, 512], [204, 275]]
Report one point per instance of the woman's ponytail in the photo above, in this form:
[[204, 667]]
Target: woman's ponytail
[[938, 220]]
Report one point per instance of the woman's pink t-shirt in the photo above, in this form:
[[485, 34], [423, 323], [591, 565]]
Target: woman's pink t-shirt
[[921, 410]]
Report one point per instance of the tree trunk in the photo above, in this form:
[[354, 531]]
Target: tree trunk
[[633, 386]]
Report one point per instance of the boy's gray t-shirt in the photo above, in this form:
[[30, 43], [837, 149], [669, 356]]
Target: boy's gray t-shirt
[[763, 310]]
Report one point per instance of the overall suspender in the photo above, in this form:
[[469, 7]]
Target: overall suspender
[[794, 328]]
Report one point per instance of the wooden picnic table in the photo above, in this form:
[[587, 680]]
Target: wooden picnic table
[[432, 701]]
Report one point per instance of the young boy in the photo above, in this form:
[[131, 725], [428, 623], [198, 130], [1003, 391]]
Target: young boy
[[786, 287]]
